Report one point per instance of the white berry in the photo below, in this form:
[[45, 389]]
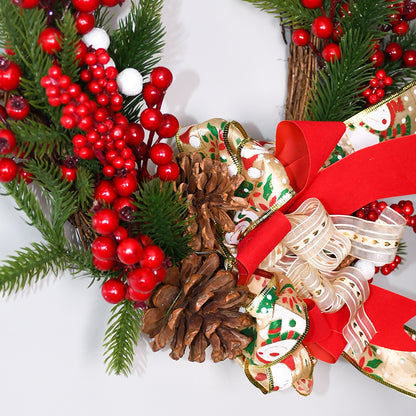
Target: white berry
[[367, 268], [130, 81], [97, 38]]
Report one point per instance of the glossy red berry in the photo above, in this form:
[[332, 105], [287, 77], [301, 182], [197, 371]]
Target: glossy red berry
[[113, 291], [151, 94], [103, 265], [105, 221], [409, 58], [26, 4], [7, 141], [401, 28], [104, 248], [86, 6], [129, 251], [322, 27], [134, 134], [125, 186], [160, 274], [10, 74], [69, 173], [168, 172], [161, 154], [17, 108], [331, 52], [394, 51], [161, 77], [168, 127], [124, 207], [137, 296], [152, 257], [50, 40], [8, 169], [84, 22], [377, 58], [106, 192], [301, 37], [141, 280], [312, 4], [151, 118]]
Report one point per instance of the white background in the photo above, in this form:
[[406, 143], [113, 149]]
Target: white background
[[229, 61]]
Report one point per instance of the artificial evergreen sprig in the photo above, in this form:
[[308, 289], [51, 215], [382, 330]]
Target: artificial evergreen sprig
[[124, 328], [161, 214], [138, 43]]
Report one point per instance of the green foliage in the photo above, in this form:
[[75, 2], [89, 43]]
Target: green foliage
[[29, 265], [138, 43], [124, 328], [162, 215], [336, 93], [84, 185], [66, 57], [58, 191]]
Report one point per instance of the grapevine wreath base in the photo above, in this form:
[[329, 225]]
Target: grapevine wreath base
[[258, 252]]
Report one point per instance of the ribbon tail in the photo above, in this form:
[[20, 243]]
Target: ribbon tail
[[384, 170], [258, 243]]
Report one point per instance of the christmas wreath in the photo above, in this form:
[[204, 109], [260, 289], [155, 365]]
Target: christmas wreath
[[202, 237]]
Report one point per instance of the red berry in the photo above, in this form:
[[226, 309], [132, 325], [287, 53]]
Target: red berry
[[129, 251], [106, 192], [397, 259], [401, 28], [141, 280], [111, 3], [409, 58], [8, 169], [137, 296], [394, 51], [312, 4], [168, 172], [377, 58], [84, 22], [103, 265], [124, 207], [168, 127], [386, 269], [7, 141], [104, 248], [126, 186], [151, 94], [322, 27], [105, 221], [151, 118], [50, 40], [10, 74], [152, 257], [134, 134], [69, 174], [408, 208], [17, 108], [300, 37], [160, 274], [27, 4], [161, 153], [86, 6], [113, 291], [161, 77], [120, 234], [331, 52]]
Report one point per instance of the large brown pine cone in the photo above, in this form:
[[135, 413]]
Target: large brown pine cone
[[198, 305], [207, 185]]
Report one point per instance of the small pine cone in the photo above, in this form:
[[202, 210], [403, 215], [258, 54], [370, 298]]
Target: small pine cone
[[207, 185], [195, 306]]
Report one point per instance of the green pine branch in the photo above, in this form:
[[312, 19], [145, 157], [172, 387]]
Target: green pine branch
[[138, 43], [124, 328], [58, 191], [28, 202], [67, 54], [336, 93], [84, 185], [161, 213], [29, 265]]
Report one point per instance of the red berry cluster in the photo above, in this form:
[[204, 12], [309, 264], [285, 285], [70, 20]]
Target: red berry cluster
[[372, 211], [322, 27], [375, 92], [142, 262]]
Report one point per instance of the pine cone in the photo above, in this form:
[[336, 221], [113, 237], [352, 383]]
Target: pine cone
[[198, 305], [210, 192]]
